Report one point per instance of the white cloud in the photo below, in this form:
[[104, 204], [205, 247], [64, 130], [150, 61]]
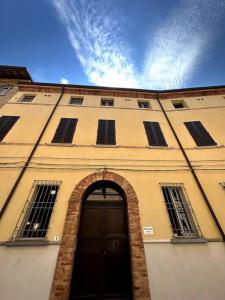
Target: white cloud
[[94, 35], [181, 42], [64, 81], [173, 52]]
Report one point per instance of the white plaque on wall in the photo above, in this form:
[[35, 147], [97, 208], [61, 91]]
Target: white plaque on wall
[[148, 230]]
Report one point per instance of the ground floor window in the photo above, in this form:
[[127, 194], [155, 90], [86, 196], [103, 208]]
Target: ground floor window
[[179, 210], [36, 214]]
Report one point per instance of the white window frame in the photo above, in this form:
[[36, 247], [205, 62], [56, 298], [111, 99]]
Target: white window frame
[[76, 98], [142, 103], [108, 102]]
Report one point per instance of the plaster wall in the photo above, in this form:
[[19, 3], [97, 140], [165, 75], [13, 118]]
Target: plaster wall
[[186, 271], [27, 272]]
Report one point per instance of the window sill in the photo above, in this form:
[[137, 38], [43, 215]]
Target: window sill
[[60, 144], [209, 147], [23, 102], [188, 240], [145, 108], [106, 146], [158, 147], [27, 242]]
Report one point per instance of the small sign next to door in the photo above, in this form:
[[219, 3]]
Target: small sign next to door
[[148, 230]]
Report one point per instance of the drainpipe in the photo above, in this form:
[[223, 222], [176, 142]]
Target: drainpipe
[[192, 171], [29, 158]]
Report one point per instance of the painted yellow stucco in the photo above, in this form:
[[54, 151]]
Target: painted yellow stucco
[[145, 167]]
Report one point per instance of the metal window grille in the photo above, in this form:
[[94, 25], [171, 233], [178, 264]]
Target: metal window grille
[[4, 89], [179, 210], [36, 214], [143, 104], [27, 98], [76, 101], [107, 102]]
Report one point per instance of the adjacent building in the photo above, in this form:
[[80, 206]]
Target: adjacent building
[[110, 193]]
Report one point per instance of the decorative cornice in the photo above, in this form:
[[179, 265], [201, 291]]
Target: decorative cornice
[[118, 92], [194, 93]]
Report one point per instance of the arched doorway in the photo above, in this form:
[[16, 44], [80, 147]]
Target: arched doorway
[[65, 261], [102, 268]]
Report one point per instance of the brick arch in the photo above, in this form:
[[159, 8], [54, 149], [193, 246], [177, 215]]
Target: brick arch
[[64, 264]]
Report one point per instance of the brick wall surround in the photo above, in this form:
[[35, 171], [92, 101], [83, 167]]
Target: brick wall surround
[[64, 264]]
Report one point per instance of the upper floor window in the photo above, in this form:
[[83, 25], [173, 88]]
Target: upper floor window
[[106, 132], [4, 89], [143, 104], [27, 98], [107, 102], [178, 104], [199, 134], [6, 123], [223, 185], [181, 219], [76, 101], [34, 220], [65, 131], [154, 134]]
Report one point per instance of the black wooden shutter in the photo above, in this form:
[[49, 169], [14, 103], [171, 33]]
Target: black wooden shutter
[[65, 131], [106, 132], [154, 134], [199, 134], [6, 123]]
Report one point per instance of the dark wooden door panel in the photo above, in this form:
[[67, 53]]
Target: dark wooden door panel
[[115, 221], [91, 222], [102, 264]]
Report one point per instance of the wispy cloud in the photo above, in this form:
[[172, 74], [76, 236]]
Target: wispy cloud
[[64, 81], [181, 42], [173, 52], [94, 35]]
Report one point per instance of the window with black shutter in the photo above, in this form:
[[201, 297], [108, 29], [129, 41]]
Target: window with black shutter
[[199, 134], [65, 131], [154, 134], [106, 132], [6, 123]]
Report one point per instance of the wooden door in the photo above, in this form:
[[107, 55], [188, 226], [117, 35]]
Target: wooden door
[[102, 262]]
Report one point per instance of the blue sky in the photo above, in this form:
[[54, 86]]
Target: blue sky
[[151, 44]]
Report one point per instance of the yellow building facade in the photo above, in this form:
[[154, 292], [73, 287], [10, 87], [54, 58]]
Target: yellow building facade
[[66, 150]]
